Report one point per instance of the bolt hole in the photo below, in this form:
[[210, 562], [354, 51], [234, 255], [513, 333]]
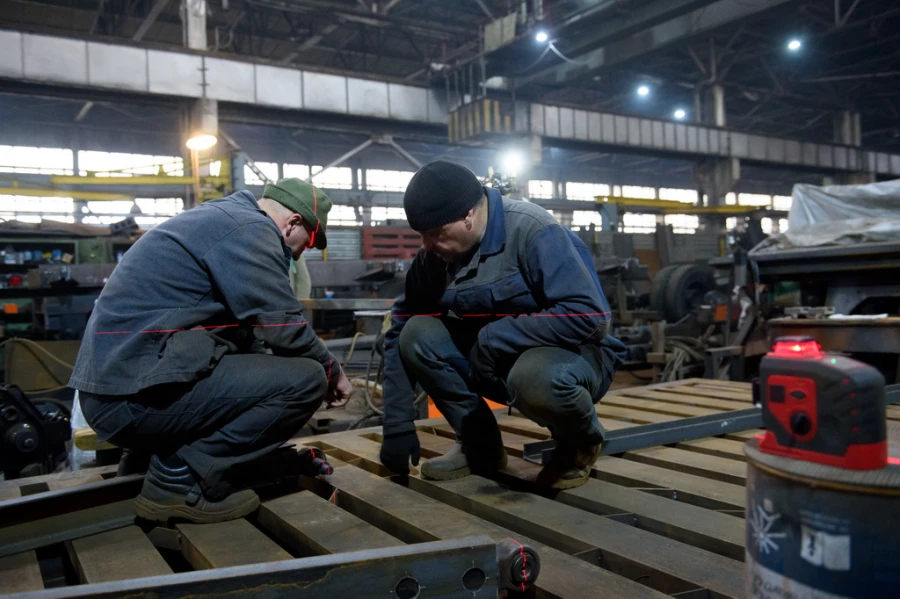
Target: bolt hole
[[474, 579], [407, 588]]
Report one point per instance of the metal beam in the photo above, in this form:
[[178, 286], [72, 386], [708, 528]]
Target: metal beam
[[311, 42], [341, 159], [485, 9], [396, 571], [682, 28], [148, 22], [84, 110]]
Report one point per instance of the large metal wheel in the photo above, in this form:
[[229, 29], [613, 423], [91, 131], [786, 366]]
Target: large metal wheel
[[658, 290], [685, 290]]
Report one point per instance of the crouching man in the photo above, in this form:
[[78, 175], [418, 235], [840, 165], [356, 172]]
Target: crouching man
[[174, 362], [502, 302]]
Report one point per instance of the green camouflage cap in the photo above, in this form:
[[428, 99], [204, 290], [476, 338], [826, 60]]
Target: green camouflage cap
[[305, 199]]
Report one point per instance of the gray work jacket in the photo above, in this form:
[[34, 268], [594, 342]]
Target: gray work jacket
[[210, 281]]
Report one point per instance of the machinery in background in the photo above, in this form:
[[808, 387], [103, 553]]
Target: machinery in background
[[32, 435]]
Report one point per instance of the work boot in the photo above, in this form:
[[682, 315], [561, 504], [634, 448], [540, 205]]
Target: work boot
[[569, 466], [173, 492], [133, 461], [461, 461]]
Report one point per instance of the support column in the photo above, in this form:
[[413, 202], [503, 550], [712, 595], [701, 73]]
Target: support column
[[193, 15], [712, 108], [848, 132]]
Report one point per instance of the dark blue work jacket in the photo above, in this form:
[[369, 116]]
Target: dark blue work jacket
[[530, 283]]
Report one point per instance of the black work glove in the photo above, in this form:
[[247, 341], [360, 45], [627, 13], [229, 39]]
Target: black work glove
[[397, 449]]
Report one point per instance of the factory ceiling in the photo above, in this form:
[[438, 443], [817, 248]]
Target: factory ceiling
[[785, 66]]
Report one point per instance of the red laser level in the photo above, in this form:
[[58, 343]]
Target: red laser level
[[822, 407]]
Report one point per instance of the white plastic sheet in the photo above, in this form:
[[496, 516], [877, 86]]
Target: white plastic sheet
[[839, 215], [813, 204]]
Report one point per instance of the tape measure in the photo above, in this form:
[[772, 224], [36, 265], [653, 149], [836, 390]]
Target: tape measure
[[822, 407]]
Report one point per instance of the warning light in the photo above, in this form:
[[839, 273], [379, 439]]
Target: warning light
[[797, 348]]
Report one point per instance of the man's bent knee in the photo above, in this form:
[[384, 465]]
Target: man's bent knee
[[308, 382], [419, 334]]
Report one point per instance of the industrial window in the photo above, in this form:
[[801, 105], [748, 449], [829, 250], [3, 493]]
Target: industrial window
[[300, 171], [730, 198], [379, 180], [29, 209], [754, 199], [731, 222], [117, 164], [586, 218], [342, 216], [638, 223], [688, 196], [586, 192], [11, 203], [636, 191], [540, 189], [381, 214], [782, 202], [43, 161], [337, 177], [160, 206], [683, 223], [269, 169]]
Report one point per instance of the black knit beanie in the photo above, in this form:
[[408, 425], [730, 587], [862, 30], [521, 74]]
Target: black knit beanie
[[440, 193]]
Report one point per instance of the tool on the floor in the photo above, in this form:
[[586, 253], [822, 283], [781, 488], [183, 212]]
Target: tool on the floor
[[823, 515], [822, 407], [660, 433]]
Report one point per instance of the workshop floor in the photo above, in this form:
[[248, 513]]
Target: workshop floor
[[658, 522]]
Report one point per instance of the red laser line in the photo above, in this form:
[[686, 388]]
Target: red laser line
[[894, 461], [293, 324], [524, 561]]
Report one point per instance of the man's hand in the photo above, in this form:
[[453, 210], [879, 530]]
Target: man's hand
[[396, 451], [339, 392]]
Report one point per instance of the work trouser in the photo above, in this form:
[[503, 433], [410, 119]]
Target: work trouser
[[555, 387], [246, 408]]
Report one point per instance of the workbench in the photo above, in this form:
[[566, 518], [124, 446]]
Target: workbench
[[664, 521]]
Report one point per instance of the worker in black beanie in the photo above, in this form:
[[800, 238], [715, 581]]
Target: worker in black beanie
[[501, 302]]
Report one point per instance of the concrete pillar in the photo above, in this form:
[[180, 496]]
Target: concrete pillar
[[847, 128], [716, 177], [193, 15], [848, 132], [712, 106]]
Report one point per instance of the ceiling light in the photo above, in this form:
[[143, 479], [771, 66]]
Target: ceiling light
[[512, 163], [794, 45], [202, 141], [541, 37], [679, 114], [643, 90]]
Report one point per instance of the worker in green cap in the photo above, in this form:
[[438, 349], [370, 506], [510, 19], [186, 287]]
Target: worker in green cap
[[197, 356]]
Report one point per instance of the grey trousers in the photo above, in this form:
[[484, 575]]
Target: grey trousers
[[248, 406], [555, 387]]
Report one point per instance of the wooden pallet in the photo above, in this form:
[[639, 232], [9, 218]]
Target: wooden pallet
[[665, 521]]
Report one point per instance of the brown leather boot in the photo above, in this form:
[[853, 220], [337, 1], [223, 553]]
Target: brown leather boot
[[569, 466]]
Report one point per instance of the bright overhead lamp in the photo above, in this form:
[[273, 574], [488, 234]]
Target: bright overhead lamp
[[201, 141], [541, 36], [512, 163], [643, 91], [794, 45], [679, 114]]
